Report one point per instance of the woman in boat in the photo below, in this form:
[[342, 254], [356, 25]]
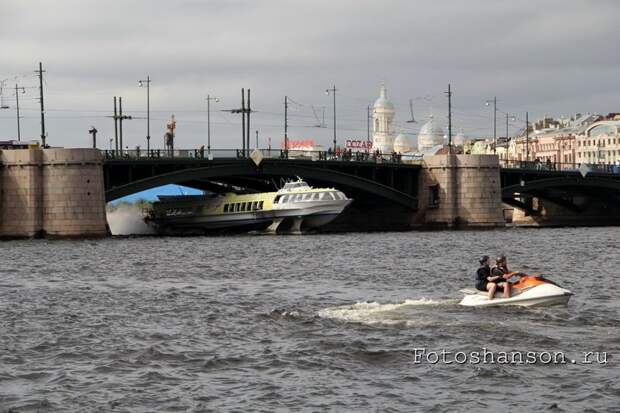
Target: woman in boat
[[485, 281], [501, 270]]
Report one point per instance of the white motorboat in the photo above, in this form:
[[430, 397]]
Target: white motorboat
[[529, 291], [295, 208], [298, 207]]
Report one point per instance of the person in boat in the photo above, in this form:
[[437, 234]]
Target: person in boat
[[501, 270], [485, 281], [501, 264]]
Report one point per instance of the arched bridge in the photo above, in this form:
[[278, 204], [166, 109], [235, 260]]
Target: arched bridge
[[395, 183], [383, 189], [594, 190]]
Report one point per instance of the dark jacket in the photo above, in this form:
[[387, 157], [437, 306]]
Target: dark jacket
[[482, 277]]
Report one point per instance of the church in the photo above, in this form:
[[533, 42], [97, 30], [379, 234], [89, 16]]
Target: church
[[430, 138]]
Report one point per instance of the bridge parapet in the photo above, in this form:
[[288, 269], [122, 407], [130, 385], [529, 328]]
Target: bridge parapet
[[223, 154], [601, 168]]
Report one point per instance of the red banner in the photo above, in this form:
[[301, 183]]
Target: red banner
[[299, 144]]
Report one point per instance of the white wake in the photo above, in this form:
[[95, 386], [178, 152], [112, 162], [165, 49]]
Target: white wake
[[376, 313]]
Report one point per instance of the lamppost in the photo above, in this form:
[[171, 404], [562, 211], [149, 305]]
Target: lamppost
[[527, 137], [93, 131], [488, 103], [333, 92], [209, 99], [512, 118], [148, 111], [19, 132]]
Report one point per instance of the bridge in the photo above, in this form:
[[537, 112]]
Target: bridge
[[563, 193], [382, 189], [63, 191], [372, 181]]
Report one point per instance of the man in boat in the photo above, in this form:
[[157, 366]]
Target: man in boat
[[485, 281]]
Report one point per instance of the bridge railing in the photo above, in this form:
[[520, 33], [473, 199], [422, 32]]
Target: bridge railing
[[558, 166], [268, 153]]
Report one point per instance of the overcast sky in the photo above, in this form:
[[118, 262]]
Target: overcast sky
[[547, 57]]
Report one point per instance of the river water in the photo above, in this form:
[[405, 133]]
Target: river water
[[303, 323]]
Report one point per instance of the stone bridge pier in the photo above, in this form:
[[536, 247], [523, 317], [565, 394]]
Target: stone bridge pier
[[52, 192], [461, 191]]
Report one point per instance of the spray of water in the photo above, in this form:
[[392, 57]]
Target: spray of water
[[127, 219], [376, 313]]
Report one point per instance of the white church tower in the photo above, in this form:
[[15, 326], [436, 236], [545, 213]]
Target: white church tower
[[382, 117]]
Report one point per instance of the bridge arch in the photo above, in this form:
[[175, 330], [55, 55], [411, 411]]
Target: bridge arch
[[575, 184], [265, 169]]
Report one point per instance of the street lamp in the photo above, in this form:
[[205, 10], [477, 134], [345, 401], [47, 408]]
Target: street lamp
[[17, 88], [333, 92], [488, 103], [209, 99], [148, 111]]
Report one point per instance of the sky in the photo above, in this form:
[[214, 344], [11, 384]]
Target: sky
[[547, 57], [151, 194]]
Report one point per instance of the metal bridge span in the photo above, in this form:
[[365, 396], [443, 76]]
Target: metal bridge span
[[384, 187]]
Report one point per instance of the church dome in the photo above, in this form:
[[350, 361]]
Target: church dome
[[430, 135], [383, 102], [402, 144]]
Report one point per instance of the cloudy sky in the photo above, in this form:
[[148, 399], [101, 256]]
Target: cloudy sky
[[545, 57]]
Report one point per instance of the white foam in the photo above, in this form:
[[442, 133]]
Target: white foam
[[376, 313], [128, 220]]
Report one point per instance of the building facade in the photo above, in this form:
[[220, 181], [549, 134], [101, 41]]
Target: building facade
[[599, 143]]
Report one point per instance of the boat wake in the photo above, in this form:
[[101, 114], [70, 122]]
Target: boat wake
[[389, 314]]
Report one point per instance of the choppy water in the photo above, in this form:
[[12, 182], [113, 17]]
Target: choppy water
[[289, 323]]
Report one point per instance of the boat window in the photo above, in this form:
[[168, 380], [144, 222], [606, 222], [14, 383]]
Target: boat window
[[315, 196], [260, 205], [307, 197], [341, 196], [225, 207], [298, 197], [237, 205], [331, 194], [284, 199], [243, 206], [321, 195], [254, 205], [277, 200]]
